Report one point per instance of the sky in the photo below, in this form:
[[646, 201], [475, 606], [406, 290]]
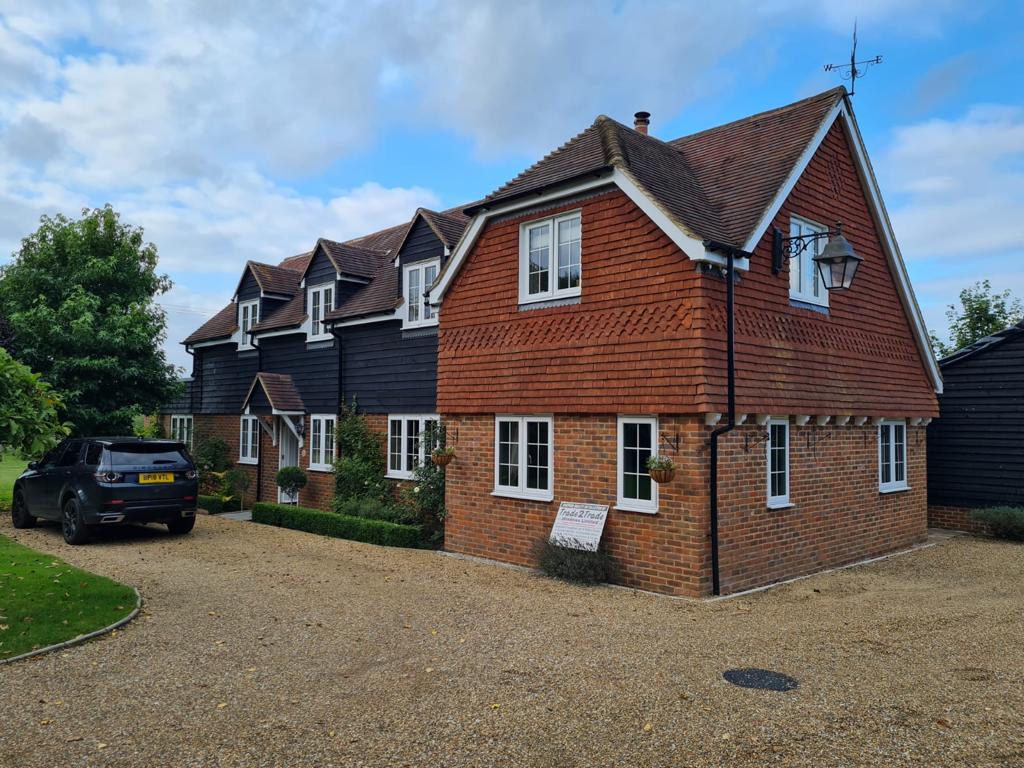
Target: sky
[[233, 131]]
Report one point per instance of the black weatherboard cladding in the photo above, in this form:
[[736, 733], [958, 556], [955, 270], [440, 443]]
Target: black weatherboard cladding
[[248, 289], [976, 446], [222, 376], [313, 368], [388, 370]]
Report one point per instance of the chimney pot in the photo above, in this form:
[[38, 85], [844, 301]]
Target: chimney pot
[[640, 122]]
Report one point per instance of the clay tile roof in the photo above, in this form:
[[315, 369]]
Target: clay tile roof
[[716, 184], [351, 259], [381, 295], [297, 263], [221, 325], [743, 164], [273, 279], [288, 314], [447, 226], [280, 390]]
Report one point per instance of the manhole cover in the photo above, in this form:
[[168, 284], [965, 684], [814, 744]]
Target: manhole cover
[[762, 679]]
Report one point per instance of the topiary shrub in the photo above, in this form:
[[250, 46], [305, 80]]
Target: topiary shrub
[[216, 504], [576, 565], [291, 480], [1003, 522], [339, 526]]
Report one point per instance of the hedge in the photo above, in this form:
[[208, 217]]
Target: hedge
[[339, 526], [215, 505], [1003, 522]]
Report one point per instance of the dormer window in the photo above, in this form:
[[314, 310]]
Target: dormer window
[[550, 258], [248, 316], [804, 280], [416, 279], [320, 301]]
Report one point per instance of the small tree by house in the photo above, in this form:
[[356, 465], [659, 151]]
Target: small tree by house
[[291, 480], [29, 410]]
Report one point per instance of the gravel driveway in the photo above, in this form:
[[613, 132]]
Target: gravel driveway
[[267, 647]]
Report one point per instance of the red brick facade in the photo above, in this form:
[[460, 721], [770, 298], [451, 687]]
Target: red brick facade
[[837, 515], [647, 337], [954, 518]]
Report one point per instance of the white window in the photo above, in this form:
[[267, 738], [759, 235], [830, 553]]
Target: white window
[[321, 442], [417, 279], [320, 301], [804, 279], [892, 456], [550, 259], [411, 439], [778, 462], [524, 457], [638, 437], [249, 441], [181, 429], [248, 316]]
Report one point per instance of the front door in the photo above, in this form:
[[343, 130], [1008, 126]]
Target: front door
[[288, 456]]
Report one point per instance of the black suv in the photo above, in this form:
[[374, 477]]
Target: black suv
[[108, 480]]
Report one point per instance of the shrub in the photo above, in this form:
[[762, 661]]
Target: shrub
[[216, 504], [291, 480], [339, 526], [236, 484], [375, 509], [1003, 522], [577, 565], [212, 455], [425, 499], [359, 474]]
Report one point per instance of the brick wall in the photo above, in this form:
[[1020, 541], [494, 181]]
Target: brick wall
[[838, 515], [954, 518]]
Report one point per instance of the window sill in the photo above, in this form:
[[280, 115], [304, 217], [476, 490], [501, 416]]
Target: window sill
[[810, 304], [399, 476], [523, 496], [560, 301], [626, 507], [251, 462], [780, 505], [418, 326], [897, 489], [320, 468]]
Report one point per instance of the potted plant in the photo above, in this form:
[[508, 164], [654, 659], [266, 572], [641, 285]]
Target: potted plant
[[443, 456], [661, 469], [291, 480]]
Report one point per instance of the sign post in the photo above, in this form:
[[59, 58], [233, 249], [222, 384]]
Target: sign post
[[579, 526]]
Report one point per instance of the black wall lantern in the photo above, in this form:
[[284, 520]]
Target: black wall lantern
[[837, 262]]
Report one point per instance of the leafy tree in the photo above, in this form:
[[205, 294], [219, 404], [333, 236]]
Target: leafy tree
[[79, 297], [29, 410], [981, 314]]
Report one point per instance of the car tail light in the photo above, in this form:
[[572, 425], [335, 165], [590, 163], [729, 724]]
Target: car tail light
[[191, 474], [109, 477]]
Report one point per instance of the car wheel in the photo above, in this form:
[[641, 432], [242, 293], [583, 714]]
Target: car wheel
[[181, 525], [19, 512], [74, 529]]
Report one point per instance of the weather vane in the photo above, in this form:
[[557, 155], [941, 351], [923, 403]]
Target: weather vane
[[855, 69]]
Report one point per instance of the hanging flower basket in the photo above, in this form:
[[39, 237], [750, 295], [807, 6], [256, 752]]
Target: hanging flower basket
[[661, 469], [662, 475], [443, 456]]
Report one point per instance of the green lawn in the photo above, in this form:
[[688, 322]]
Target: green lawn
[[44, 600], [10, 467]]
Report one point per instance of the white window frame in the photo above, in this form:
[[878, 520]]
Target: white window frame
[[324, 306], [248, 316], [405, 469], [782, 500], [320, 459], [894, 484], [520, 491], [649, 507], [249, 449], [553, 292], [804, 280], [426, 315], [181, 429]]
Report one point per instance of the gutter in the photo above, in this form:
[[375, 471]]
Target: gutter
[[731, 254]]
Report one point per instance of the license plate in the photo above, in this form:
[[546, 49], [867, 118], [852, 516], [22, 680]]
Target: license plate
[[156, 477]]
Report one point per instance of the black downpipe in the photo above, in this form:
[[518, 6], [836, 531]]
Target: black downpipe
[[730, 422], [259, 463]]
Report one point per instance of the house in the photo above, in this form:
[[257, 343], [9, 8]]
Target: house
[[345, 322], [975, 450], [583, 329]]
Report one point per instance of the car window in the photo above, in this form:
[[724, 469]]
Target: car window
[[93, 454], [147, 455], [70, 456]]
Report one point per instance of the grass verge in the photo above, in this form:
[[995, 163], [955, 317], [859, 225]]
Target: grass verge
[[44, 600], [10, 467]]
